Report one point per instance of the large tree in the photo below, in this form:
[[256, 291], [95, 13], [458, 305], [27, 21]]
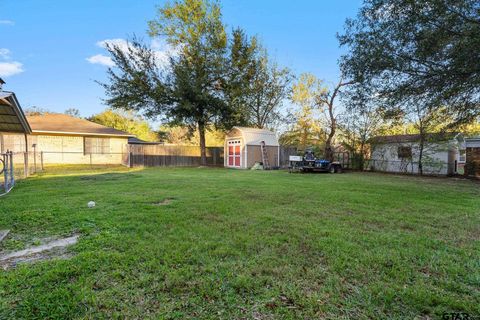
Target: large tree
[[417, 54], [327, 100], [267, 92], [311, 92], [256, 87], [74, 112], [187, 91], [305, 130]]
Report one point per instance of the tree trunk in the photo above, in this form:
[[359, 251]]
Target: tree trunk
[[420, 153], [203, 148], [328, 143], [331, 134], [362, 154]]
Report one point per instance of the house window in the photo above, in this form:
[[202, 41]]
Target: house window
[[96, 145], [404, 152]]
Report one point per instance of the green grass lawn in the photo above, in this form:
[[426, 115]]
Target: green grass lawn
[[243, 244]]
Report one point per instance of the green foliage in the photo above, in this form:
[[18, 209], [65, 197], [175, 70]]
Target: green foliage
[[192, 25], [307, 129], [238, 244], [211, 83], [255, 87], [73, 112], [312, 95], [183, 136], [126, 121], [305, 132], [187, 92], [415, 54]]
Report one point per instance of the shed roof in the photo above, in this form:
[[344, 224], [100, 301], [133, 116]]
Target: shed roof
[[254, 136], [12, 118], [64, 124]]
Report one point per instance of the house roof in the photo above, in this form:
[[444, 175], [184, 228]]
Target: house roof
[[12, 118], [476, 138], [54, 123], [403, 138], [254, 136]]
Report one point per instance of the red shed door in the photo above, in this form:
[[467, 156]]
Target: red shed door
[[234, 153]]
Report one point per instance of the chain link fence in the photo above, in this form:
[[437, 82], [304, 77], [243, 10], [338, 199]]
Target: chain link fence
[[407, 167], [7, 178]]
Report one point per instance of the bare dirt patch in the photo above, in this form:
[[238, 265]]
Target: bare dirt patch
[[164, 202], [3, 234], [56, 249]]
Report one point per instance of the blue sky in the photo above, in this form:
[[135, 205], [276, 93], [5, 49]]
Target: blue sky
[[45, 44]]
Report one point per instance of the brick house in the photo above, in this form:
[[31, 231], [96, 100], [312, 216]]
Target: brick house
[[62, 139]]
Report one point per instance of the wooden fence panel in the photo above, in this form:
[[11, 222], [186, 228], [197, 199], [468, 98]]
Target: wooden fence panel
[[285, 152], [165, 156]]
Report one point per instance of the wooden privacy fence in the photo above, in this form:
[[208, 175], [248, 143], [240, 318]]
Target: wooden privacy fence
[[165, 156], [285, 152], [171, 155]]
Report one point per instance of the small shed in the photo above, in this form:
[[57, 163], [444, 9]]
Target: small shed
[[243, 147]]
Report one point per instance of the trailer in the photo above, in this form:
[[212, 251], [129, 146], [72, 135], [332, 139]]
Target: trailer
[[309, 163]]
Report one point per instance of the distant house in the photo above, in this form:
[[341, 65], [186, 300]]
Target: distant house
[[242, 147], [62, 139], [443, 154]]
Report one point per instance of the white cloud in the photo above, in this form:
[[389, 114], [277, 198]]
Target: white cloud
[[101, 59], [121, 43], [162, 50], [4, 53], [7, 22], [10, 68]]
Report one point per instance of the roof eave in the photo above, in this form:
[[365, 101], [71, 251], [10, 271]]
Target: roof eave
[[18, 111], [84, 133]]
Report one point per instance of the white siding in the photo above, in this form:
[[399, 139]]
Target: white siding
[[436, 159], [254, 136]]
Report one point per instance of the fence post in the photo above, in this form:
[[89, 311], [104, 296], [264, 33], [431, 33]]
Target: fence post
[[25, 164], [130, 164], [5, 170], [164, 157], [41, 159], [12, 173], [90, 159], [34, 158]]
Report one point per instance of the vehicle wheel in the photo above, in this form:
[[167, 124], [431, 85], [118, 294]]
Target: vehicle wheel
[[332, 169]]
